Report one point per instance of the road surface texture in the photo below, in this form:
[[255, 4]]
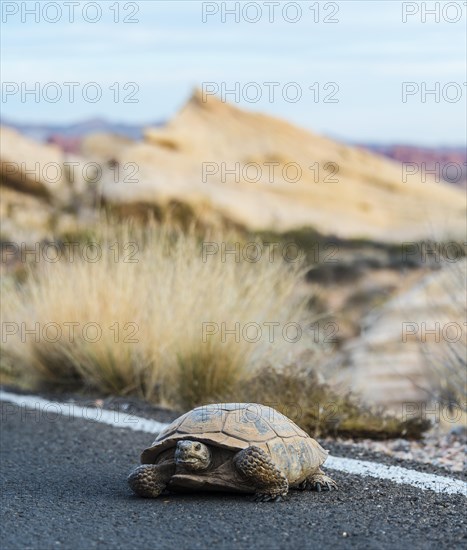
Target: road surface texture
[[63, 486]]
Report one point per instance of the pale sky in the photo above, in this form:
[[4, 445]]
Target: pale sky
[[361, 60]]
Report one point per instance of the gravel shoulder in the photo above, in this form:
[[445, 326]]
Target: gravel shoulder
[[63, 486]]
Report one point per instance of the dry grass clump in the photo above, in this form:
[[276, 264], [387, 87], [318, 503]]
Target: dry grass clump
[[132, 322], [320, 409]]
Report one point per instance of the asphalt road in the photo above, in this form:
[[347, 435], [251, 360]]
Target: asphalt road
[[63, 486]]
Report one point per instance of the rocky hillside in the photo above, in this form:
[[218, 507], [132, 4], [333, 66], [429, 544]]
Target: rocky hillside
[[229, 167], [265, 174], [251, 170]]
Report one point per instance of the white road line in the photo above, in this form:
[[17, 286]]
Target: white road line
[[397, 474], [118, 419]]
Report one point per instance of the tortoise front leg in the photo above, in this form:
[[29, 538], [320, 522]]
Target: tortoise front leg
[[257, 467], [149, 480]]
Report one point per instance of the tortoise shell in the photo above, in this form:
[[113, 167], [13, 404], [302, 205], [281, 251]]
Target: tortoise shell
[[236, 426]]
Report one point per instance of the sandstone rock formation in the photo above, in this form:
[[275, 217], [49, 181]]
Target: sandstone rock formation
[[38, 183], [29, 166], [104, 147], [265, 174], [404, 353]]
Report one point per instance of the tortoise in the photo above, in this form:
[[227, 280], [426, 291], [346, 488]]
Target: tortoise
[[238, 447]]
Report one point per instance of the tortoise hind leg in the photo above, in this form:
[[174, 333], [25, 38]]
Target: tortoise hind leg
[[258, 468], [318, 481], [149, 480]]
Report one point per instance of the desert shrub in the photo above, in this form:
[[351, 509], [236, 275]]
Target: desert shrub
[[321, 410], [132, 322]]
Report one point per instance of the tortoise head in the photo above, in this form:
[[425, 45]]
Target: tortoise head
[[192, 455]]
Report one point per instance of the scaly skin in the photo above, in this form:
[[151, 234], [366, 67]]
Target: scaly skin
[[318, 481], [259, 469], [149, 480]]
